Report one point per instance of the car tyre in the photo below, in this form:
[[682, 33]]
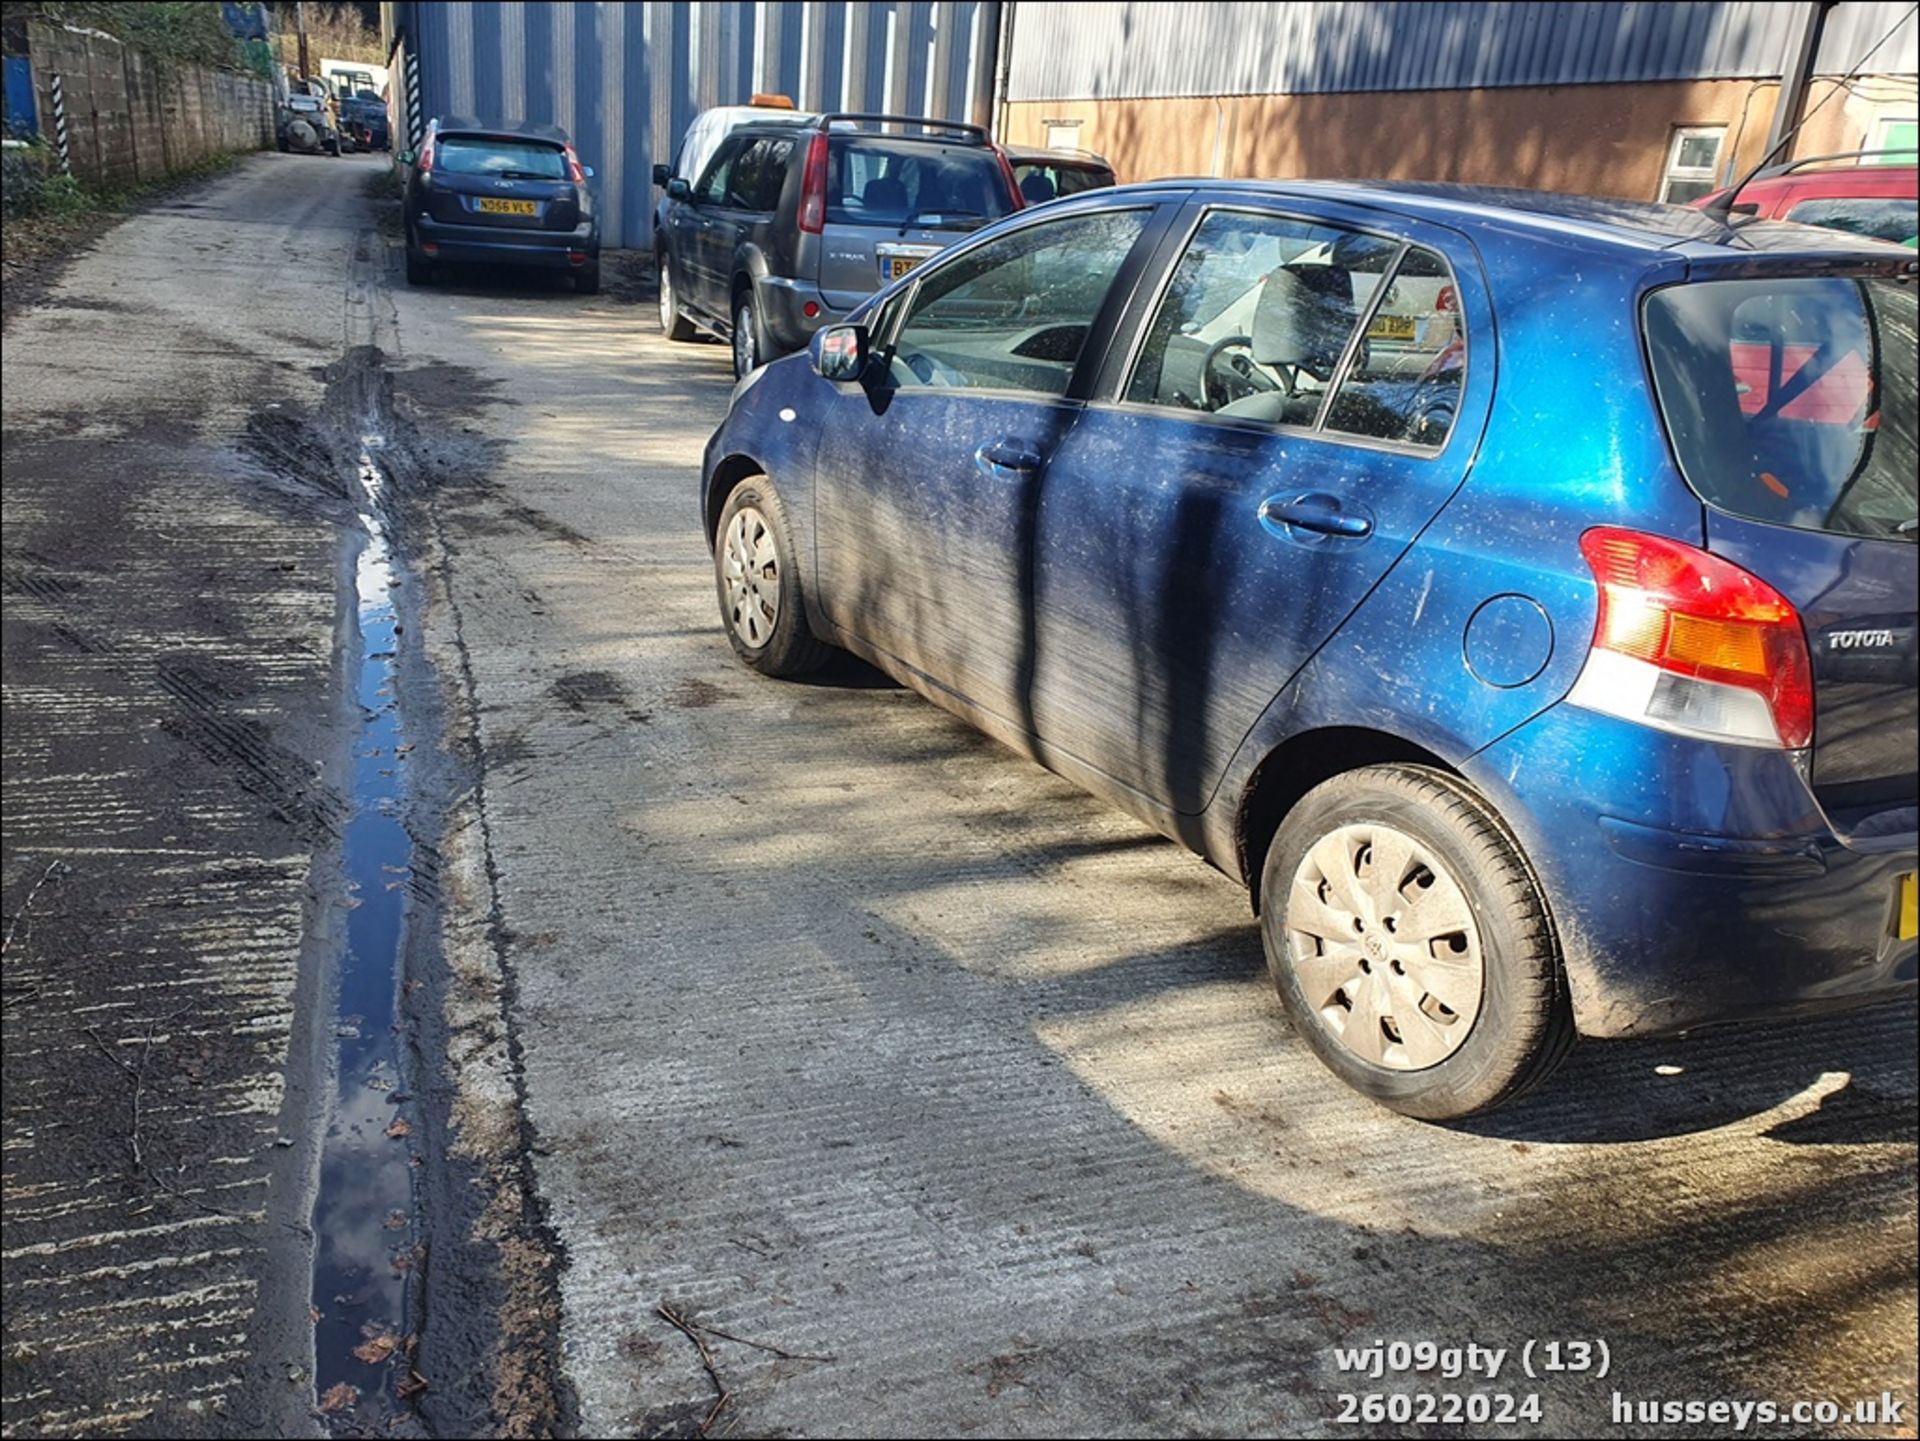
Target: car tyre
[[747, 349], [1373, 848], [419, 271], [757, 578], [673, 322], [586, 280]]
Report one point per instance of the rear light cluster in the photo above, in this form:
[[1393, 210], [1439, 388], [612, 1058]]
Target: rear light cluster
[[1690, 643], [813, 185], [574, 172], [1015, 198], [424, 162]]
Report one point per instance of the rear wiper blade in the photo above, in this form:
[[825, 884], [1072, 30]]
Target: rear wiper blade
[[939, 212]]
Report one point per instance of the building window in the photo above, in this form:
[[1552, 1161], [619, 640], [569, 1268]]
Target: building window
[[1062, 134], [1894, 137], [1693, 163]]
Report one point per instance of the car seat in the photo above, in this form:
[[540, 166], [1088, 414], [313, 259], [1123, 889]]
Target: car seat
[[884, 195], [1300, 324]]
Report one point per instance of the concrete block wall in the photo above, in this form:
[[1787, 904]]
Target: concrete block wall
[[130, 118]]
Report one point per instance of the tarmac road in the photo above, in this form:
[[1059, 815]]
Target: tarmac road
[[949, 1099]]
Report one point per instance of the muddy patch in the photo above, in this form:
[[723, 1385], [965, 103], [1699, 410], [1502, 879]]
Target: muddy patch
[[544, 524], [696, 694], [586, 692]]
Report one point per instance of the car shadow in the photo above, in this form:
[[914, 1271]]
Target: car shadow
[[1863, 1063], [846, 671], [463, 278]]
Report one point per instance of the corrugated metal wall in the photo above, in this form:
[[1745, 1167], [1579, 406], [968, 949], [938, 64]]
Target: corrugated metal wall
[[626, 80], [1855, 27], [1116, 49]]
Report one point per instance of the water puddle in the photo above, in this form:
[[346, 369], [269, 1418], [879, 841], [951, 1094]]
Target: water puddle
[[363, 1214]]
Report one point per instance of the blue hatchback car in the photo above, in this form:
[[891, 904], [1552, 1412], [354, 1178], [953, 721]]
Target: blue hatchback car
[[1516, 592]]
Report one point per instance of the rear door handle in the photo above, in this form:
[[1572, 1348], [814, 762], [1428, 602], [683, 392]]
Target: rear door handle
[[1007, 459], [1316, 512]]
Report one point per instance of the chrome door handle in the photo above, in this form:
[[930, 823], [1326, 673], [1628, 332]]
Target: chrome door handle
[[1317, 512]]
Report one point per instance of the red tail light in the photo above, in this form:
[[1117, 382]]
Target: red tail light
[[1445, 302], [424, 163], [813, 185], [574, 172], [1688, 642], [1018, 201]]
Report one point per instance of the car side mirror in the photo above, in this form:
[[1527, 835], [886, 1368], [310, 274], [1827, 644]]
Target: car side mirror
[[406, 157], [678, 189], [661, 175], [839, 352], [587, 170]]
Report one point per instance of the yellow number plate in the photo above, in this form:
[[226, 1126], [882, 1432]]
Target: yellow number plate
[[899, 265], [1391, 327], [1905, 922], [504, 207]]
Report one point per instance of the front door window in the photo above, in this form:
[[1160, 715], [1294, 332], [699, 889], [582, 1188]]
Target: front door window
[[1014, 314]]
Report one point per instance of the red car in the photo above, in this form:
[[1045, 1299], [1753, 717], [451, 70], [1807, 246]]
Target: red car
[[1838, 192]]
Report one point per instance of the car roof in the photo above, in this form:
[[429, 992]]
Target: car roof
[[1625, 227], [507, 130], [736, 115], [1053, 155]]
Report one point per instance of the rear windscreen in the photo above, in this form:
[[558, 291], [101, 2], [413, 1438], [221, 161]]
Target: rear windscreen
[[1884, 219], [1792, 400], [876, 181], [509, 159]]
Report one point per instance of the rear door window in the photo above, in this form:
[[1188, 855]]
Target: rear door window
[[1256, 317], [1792, 400], [873, 180], [758, 174], [508, 159], [1404, 382]]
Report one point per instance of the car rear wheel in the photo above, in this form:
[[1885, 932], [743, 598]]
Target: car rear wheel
[[746, 336], [673, 324], [586, 280], [419, 271], [1410, 944], [757, 576]]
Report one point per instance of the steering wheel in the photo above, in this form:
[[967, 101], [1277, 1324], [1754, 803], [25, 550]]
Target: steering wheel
[[1225, 377]]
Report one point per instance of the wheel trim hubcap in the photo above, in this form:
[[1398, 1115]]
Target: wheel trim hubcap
[[743, 340], [750, 568], [1385, 947]]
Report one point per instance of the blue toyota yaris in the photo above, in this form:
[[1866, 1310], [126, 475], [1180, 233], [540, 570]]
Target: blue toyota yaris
[[1516, 592]]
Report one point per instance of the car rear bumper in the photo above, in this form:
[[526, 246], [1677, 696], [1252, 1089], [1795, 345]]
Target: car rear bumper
[[1694, 883], [783, 313], [503, 245]]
